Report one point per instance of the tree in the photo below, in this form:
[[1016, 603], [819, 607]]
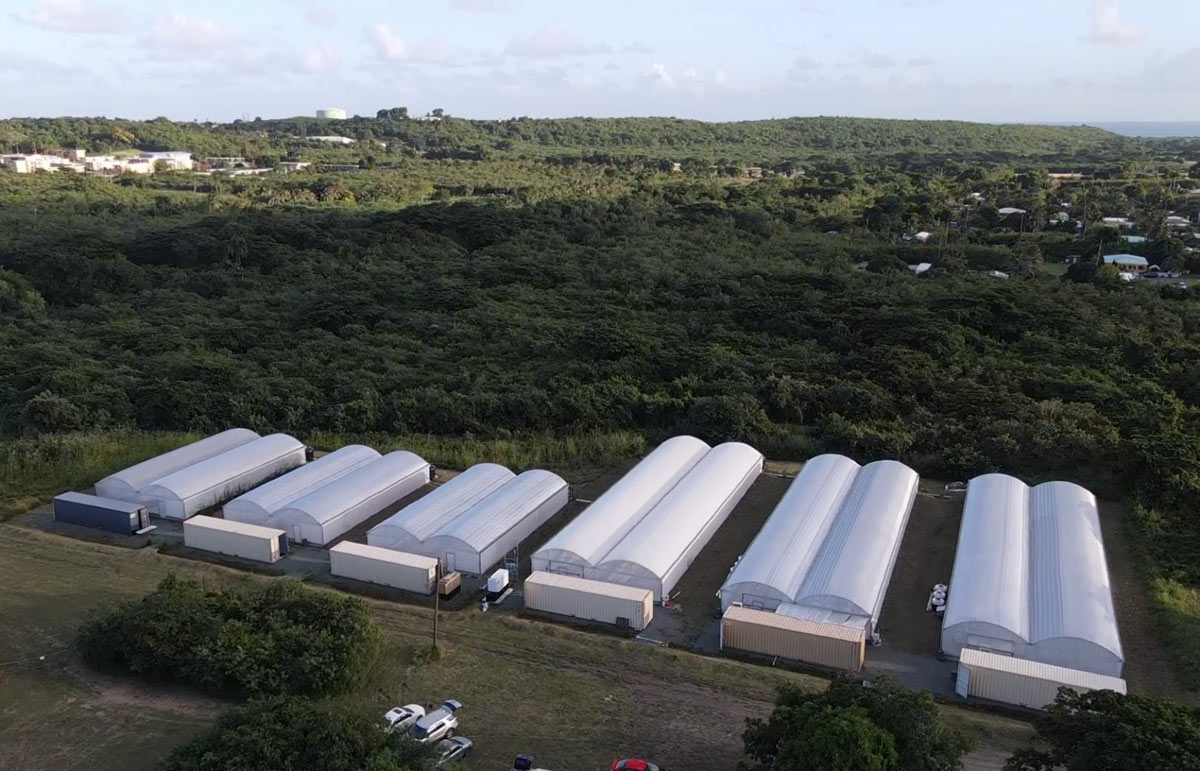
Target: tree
[[438, 112], [827, 738], [1108, 731], [919, 740]]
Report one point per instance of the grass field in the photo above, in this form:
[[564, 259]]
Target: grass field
[[573, 699]]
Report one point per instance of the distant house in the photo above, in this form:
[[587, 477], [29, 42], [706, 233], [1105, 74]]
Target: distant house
[[1194, 192], [225, 162], [1062, 216], [332, 139], [754, 172], [923, 236], [290, 166], [1127, 263], [1065, 176], [1178, 222], [1117, 222], [1009, 211], [175, 160], [921, 268], [997, 274], [1135, 239]]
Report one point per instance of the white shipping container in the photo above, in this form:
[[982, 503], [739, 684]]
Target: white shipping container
[[387, 567], [775, 634], [588, 599], [238, 539], [497, 581], [1025, 683]]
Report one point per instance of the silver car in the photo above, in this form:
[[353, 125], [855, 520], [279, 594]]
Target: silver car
[[453, 750], [437, 724]]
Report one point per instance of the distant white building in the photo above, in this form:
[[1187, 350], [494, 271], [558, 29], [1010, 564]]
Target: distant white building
[[226, 162], [1178, 222], [176, 160], [332, 113], [1127, 263], [1118, 222], [332, 139], [1135, 239], [290, 166], [1009, 211], [921, 268], [923, 236]]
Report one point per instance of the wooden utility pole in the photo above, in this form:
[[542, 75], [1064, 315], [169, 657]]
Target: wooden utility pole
[[437, 599]]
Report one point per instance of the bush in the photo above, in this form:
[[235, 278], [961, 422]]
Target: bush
[[252, 638]]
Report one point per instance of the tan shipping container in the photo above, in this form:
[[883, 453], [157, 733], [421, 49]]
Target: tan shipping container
[[387, 567], [237, 539], [588, 599], [1025, 683], [812, 642]]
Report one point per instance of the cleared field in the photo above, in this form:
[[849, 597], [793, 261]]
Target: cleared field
[[574, 699]]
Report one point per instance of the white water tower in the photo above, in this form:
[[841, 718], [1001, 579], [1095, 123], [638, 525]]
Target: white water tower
[[332, 113]]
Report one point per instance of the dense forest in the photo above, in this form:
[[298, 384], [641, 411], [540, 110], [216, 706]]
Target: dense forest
[[392, 134], [523, 295]]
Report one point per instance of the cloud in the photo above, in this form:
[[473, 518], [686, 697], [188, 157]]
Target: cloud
[[637, 47], [659, 76], [18, 67], [720, 78], [479, 6], [385, 44], [178, 34], [552, 42], [920, 61], [390, 47], [75, 16], [875, 61], [316, 13], [1108, 25], [324, 58], [813, 6], [805, 64]]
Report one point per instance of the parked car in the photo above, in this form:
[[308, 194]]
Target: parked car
[[633, 764], [524, 763], [438, 724], [453, 749], [403, 718]]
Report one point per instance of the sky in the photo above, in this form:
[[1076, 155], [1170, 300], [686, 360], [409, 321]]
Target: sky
[[1008, 61]]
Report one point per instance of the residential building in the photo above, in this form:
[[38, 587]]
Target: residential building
[[1135, 240], [332, 139], [289, 166], [176, 160], [1009, 211], [1127, 263], [1174, 221], [1117, 222], [226, 162]]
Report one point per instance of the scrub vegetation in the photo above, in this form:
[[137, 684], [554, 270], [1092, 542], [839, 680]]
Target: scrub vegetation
[[250, 638]]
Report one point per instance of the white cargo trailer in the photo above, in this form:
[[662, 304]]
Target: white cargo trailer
[[237, 539], [626, 606]]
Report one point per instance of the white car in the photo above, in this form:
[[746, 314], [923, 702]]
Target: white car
[[439, 724], [403, 718]]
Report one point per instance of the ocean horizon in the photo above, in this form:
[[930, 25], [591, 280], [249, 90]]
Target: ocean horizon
[[1157, 129]]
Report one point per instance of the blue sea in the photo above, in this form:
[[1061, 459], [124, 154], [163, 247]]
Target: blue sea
[[1165, 129]]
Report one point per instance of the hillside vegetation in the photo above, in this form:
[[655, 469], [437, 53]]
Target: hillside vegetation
[[767, 141]]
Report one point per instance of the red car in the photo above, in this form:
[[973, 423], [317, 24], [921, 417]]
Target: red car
[[632, 764]]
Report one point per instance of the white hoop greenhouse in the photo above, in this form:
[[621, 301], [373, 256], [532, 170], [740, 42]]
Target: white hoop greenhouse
[[425, 517], [127, 484], [257, 506]]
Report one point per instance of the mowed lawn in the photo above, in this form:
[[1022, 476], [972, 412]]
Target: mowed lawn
[[573, 699]]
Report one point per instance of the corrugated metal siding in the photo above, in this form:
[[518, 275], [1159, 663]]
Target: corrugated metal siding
[[221, 477], [423, 518], [372, 564], [238, 539], [679, 526], [774, 634], [601, 526], [592, 600], [127, 484], [114, 516], [1025, 683], [331, 510], [260, 503]]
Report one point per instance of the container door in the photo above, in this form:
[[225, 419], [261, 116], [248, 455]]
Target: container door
[[450, 562], [962, 681], [283, 544]]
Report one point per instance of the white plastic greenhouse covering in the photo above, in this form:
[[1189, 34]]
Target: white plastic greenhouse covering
[[1030, 579], [213, 481], [126, 485], [659, 549], [584, 543], [353, 498], [484, 533], [425, 517], [257, 506], [831, 542]]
